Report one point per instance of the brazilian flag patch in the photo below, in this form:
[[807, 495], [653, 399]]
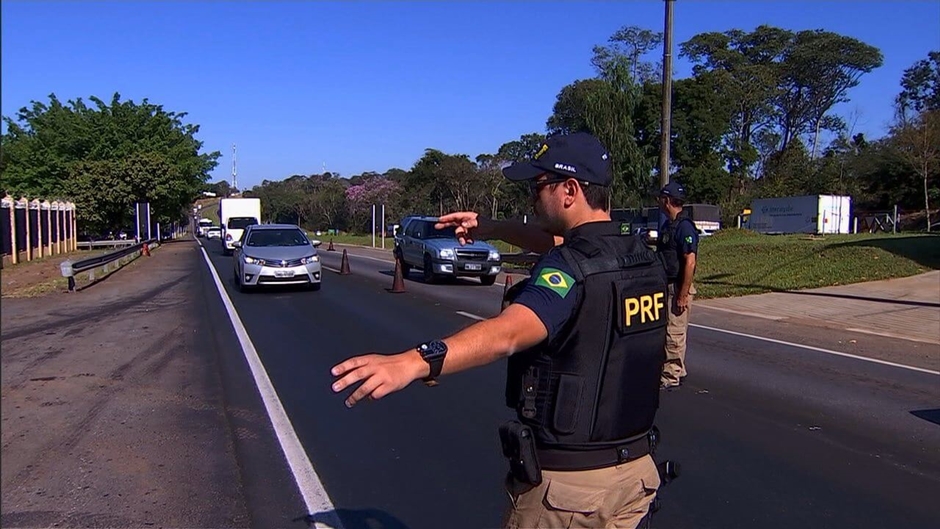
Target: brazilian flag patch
[[625, 228], [688, 239], [556, 281]]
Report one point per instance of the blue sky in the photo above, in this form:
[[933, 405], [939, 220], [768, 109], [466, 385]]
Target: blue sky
[[362, 86]]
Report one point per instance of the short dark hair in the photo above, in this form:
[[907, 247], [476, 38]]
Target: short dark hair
[[598, 197], [675, 202]]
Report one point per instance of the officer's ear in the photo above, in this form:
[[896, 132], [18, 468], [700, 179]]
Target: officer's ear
[[571, 190]]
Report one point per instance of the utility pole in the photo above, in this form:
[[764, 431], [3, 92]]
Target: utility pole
[[666, 133], [234, 170]]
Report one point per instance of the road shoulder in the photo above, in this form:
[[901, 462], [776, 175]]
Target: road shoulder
[[127, 405]]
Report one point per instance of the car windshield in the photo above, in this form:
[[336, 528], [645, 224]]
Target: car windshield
[[446, 233], [285, 237], [240, 223]]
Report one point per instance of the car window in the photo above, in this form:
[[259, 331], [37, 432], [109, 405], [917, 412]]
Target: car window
[[429, 232], [240, 223], [286, 237]]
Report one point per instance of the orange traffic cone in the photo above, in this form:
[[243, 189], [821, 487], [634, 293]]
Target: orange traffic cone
[[331, 249], [145, 250], [506, 285], [398, 284], [344, 267]]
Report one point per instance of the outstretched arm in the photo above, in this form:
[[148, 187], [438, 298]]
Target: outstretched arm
[[471, 225], [515, 329]]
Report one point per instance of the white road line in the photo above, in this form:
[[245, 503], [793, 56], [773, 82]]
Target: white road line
[[471, 316], [817, 349], [781, 342], [315, 496], [330, 268]]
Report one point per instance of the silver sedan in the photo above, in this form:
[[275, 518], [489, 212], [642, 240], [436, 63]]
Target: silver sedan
[[276, 254]]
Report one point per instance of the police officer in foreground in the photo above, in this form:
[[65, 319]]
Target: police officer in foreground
[[678, 243], [585, 336]]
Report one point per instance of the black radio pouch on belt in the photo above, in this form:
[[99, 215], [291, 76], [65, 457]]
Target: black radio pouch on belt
[[519, 447]]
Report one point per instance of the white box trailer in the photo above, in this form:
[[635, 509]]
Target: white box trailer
[[816, 214], [235, 214]]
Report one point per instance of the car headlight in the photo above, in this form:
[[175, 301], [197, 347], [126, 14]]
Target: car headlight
[[447, 253], [494, 255], [252, 260], [310, 259]]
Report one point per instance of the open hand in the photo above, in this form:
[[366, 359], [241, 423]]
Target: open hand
[[380, 374]]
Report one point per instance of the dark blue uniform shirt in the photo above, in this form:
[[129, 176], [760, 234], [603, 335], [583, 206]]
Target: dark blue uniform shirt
[[686, 238], [686, 234], [551, 292]]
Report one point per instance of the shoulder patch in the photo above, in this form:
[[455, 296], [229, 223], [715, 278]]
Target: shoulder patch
[[688, 239], [555, 280]]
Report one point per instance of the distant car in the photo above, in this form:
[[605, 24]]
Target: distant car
[[439, 254], [214, 232], [276, 254]]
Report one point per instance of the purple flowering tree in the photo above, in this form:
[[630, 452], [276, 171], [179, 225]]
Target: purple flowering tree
[[360, 198]]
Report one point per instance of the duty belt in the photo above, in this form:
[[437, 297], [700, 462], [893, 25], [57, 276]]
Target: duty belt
[[566, 459]]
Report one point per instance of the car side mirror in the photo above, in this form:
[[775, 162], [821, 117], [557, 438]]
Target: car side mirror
[[222, 225], [316, 244], [237, 244]]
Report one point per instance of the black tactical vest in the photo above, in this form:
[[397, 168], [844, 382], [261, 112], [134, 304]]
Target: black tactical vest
[[668, 246], [597, 383]]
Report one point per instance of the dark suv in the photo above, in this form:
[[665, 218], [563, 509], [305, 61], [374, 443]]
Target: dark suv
[[439, 254]]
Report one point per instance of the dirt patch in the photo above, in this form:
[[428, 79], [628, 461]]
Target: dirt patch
[[39, 276], [112, 416]]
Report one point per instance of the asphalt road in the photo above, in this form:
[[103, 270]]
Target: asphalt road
[[768, 435]]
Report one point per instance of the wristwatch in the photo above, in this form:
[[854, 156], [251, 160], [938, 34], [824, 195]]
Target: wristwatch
[[433, 353]]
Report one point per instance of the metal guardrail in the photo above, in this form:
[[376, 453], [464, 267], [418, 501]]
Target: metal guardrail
[[69, 268], [107, 243]]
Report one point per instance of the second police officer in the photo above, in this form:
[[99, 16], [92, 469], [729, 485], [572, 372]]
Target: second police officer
[[585, 338]]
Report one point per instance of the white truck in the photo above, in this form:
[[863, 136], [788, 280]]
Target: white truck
[[815, 214], [235, 214], [204, 224]]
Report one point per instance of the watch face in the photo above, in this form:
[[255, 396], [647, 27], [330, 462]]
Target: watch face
[[433, 349]]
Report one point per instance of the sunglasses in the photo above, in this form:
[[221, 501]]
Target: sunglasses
[[535, 186]]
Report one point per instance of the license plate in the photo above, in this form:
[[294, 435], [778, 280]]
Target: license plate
[[283, 273], [472, 267]]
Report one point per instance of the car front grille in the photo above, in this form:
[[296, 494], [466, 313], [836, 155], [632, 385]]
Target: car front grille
[[286, 263], [473, 255]]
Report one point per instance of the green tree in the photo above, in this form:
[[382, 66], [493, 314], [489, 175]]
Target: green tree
[[918, 144], [152, 151], [605, 108], [221, 188], [569, 112], [920, 86], [817, 70], [700, 120], [629, 43]]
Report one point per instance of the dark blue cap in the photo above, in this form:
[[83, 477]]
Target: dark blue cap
[[673, 189], [579, 156]]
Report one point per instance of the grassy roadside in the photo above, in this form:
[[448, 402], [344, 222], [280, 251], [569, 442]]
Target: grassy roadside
[[210, 209], [40, 276], [739, 262]]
